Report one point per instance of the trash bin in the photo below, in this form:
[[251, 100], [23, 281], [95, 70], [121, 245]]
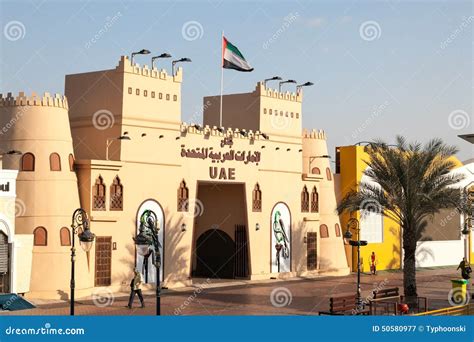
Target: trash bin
[[459, 291]]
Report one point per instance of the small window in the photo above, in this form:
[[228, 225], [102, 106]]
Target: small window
[[257, 198], [152, 94], [337, 228], [175, 97], [297, 115], [281, 113], [286, 114], [270, 111], [137, 92], [264, 110], [314, 200], [145, 93], [183, 197], [305, 200], [116, 195], [98, 193], [292, 114], [130, 90], [323, 231], [71, 162], [65, 236], [316, 171], [54, 162], [328, 174], [40, 236], [167, 97], [160, 96], [28, 162]]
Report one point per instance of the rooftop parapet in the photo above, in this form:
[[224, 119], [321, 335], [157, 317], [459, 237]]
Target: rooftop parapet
[[34, 100], [314, 134], [125, 65], [262, 90], [215, 131]]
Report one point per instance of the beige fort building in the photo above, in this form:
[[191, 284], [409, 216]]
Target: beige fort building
[[116, 145]]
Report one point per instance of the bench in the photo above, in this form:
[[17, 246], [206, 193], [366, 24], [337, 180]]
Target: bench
[[344, 305], [390, 298]]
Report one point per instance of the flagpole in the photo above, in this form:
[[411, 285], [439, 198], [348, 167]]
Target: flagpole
[[222, 80]]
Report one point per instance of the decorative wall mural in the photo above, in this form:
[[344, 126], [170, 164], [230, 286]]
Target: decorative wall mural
[[281, 238], [147, 269]]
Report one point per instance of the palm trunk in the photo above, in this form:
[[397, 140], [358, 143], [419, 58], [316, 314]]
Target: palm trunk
[[409, 266]]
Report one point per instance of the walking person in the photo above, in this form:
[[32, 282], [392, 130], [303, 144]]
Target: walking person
[[373, 264], [135, 289]]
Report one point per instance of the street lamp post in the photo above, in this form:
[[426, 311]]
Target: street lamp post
[[163, 55], [80, 220], [354, 224], [173, 63], [283, 82], [148, 243], [110, 141], [274, 78], [306, 84], [468, 220], [141, 52]]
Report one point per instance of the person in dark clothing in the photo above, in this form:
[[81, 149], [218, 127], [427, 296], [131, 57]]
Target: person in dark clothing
[[135, 289], [465, 269]]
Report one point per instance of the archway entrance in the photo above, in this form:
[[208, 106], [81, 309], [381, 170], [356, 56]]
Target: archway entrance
[[220, 244], [215, 255]]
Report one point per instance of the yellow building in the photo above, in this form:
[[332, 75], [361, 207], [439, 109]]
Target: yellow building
[[225, 197], [442, 242]]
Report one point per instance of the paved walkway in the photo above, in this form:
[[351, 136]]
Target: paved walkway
[[274, 297]]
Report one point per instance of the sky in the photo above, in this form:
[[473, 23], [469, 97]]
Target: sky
[[379, 68]]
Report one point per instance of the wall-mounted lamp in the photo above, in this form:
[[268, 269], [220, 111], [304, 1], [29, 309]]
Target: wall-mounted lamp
[[110, 141], [183, 227], [257, 226]]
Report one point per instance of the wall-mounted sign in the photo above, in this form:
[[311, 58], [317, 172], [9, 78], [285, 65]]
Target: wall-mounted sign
[[281, 238], [221, 157], [5, 187]]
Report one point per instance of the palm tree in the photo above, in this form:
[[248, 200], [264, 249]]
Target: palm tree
[[410, 182]]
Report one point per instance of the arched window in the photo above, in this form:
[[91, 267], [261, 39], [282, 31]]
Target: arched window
[[40, 236], [65, 236], [338, 229], [183, 197], [305, 200], [314, 200], [71, 162], [323, 231], [54, 162], [328, 174], [316, 170], [98, 193], [257, 198], [116, 194], [28, 162]]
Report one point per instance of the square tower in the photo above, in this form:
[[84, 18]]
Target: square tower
[[266, 110]]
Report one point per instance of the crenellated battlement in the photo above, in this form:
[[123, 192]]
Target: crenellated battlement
[[261, 90], [125, 65], [314, 134], [224, 133], [34, 100]]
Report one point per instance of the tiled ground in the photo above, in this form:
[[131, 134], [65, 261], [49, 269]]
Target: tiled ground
[[301, 296]]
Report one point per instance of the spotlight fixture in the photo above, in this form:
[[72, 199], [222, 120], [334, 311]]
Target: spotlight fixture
[[300, 150]]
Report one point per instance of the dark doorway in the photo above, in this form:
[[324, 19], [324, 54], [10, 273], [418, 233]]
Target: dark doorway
[[4, 264], [215, 255], [312, 255], [103, 260]]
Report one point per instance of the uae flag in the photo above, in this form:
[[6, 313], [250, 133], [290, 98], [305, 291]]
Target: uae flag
[[233, 58]]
